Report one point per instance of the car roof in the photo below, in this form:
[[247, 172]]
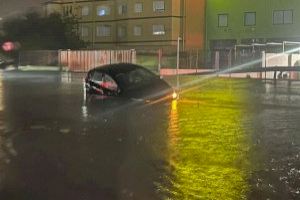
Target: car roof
[[115, 69]]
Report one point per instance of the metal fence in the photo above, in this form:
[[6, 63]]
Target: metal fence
[[84, 60], [157, 59], [154, 59], [38, 58], [77, 61]]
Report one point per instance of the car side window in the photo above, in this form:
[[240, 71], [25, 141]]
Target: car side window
[[89, 75], [108, 83], [140, 76]]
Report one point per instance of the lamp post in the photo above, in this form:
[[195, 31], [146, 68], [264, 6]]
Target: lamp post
[[178, 59], [95, 14]]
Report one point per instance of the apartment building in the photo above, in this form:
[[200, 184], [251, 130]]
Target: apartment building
[[243, 29], [251, 21], [136, 23]]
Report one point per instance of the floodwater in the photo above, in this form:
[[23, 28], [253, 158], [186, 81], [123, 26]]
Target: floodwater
[[227, 139]]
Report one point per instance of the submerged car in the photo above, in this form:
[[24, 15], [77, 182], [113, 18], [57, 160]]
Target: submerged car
[[128, 81]]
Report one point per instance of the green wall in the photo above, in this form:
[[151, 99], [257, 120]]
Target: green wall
[[264, 27]]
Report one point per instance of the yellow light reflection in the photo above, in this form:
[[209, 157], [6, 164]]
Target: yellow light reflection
[[173, 128], [208, 146]]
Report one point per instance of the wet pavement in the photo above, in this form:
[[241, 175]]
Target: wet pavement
[[226, 139]]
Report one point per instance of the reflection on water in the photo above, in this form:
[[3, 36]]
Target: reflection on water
[[230, 139], [173, 130], [7, 150], [1, 91], [3, 157], [277, 142], [208, 148]]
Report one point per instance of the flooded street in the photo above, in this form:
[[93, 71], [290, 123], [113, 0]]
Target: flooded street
[[226, 139]]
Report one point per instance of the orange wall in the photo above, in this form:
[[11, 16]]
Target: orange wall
[[195, 24]]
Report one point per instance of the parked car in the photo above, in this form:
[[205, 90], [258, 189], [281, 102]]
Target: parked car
[[128, 81]]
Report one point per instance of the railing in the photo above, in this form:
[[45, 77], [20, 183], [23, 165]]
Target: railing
[[84, 60], [38, 58]]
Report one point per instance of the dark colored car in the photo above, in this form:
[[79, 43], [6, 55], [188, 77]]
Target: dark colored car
[[129, 81]]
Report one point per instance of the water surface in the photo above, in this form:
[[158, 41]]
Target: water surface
[[226, 139]]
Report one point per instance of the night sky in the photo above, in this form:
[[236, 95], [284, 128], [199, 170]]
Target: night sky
[[11, 7]]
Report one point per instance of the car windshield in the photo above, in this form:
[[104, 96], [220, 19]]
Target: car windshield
[[136, 78]]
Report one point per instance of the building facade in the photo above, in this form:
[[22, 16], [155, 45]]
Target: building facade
[[251, 21], [250, 26], [136, 23]]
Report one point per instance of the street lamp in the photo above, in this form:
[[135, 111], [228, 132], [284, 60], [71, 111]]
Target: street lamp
[[177, 66]]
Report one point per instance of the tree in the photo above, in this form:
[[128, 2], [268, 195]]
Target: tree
[[35, 32]]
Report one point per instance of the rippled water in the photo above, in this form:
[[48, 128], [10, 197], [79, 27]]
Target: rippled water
[[276, 141], [227, 139]]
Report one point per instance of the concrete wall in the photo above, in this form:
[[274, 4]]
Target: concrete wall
[[194, 24]]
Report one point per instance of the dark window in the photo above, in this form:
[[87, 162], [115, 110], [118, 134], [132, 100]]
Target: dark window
[[223, 20], [250, 19], [283, 17]]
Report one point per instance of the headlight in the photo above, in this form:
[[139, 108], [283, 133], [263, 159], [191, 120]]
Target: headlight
[[174, 95]]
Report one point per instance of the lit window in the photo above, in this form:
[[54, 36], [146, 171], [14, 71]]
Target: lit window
[[158, 29], [103, 30], [223, 20], [103, 11], [85, 11], [250, 18], [158, 6], [122, 31], [137, 30], [122, 9], [138, 7], [84, 31], [283, 17]]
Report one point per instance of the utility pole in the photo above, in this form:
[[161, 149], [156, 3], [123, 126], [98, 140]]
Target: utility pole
[[178, 60], [94, 15]]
